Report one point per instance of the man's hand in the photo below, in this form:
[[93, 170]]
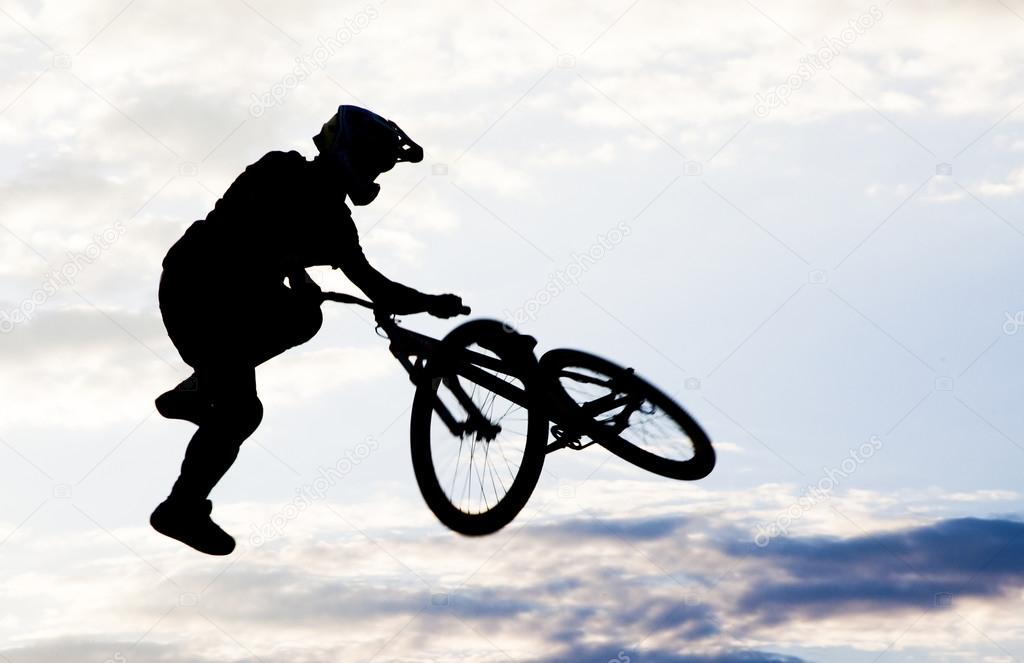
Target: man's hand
[[446, 306]]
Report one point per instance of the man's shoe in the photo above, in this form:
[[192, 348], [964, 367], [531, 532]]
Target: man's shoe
[[190, 523], [183, 404]]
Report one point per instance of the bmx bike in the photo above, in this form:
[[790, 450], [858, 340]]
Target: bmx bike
[[484, 403]]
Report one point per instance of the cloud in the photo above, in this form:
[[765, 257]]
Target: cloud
[[305, 375], [589, 587], [1012, 185], [965, 557], [110, 651], [627, 529], [600, 655], [482, 173], [83, 368]]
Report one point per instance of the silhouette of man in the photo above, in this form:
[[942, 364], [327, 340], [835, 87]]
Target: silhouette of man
[[226, 307]]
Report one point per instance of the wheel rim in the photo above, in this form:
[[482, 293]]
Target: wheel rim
[[477, 470]]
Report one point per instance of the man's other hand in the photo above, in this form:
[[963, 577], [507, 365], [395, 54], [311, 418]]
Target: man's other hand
[[446, 306]]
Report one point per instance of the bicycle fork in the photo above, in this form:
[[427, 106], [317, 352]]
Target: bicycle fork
[[476, 423]]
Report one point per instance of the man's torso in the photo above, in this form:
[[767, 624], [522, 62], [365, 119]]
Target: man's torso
[[281, 214]]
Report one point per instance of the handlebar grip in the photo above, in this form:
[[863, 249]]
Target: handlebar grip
[[464, 310]]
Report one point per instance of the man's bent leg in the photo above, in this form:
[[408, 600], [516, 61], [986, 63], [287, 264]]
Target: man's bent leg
[[288, 319], [235, 413], [183, 402], [230, 420]]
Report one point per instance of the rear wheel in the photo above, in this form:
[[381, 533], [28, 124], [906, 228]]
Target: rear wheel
[[629, 416], [479, 478]]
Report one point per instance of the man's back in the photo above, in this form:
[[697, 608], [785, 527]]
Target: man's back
[[277, 216]]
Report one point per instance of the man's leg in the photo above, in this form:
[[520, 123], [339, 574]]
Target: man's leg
[[184, 306], [288, 319], [183, 402], [234, 414]]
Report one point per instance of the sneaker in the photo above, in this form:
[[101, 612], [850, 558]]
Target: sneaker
[[181, 404], [190, 523]]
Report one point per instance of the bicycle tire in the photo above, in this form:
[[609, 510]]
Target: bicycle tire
[[554, 365], [507, 346]]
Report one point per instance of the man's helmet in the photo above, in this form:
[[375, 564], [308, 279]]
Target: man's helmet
[[364, 145]]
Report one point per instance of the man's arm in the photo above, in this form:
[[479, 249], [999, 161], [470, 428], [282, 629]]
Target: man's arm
[[393, 296]]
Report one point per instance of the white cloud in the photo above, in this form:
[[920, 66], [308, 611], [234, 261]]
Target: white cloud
[[492, 175], [301, 376], [1012, 185]]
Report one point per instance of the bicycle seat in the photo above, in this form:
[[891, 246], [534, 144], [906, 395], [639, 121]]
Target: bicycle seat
[[522, 341], [509, 336], [529, 342]]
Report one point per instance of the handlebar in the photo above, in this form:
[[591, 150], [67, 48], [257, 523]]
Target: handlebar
[[344, 298]]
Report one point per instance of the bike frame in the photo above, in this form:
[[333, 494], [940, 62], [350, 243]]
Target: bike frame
[[413, 350]]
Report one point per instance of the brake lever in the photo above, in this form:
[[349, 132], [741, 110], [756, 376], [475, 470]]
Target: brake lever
[[382, 318]]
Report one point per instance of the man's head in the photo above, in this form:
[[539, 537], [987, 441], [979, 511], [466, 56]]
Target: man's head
[[364, 145]]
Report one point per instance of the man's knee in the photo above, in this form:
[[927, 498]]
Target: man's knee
[[307, 324], [238, 418], [250, 417]]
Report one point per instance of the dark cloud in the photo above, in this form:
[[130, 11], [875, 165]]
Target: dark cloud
[[113, 651], [690, 622], [624, 655], [791, 579], [572, 604], [917, 568], [629, 529]]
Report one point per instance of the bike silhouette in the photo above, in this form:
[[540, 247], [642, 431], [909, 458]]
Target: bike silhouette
[[483, 405]]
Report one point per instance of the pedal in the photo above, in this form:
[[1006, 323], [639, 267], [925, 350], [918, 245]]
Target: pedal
[[566, 439]]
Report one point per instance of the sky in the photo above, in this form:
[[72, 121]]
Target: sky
[[807, 223]]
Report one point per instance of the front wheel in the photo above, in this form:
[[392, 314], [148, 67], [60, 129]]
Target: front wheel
[[478, 477], [629, 416]]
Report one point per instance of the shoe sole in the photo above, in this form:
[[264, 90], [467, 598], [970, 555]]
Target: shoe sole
[[171, 534]]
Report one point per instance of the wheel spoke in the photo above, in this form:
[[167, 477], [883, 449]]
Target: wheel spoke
[[481, 479], [467, 494], [456, 473], [658, 432]]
